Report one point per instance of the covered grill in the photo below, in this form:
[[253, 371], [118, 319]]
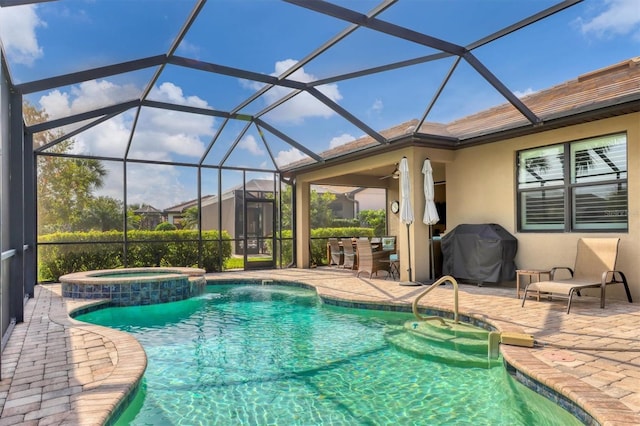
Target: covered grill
[[479, 253]]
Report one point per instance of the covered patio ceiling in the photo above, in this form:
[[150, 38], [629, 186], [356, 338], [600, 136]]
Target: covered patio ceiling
[[273, 85]]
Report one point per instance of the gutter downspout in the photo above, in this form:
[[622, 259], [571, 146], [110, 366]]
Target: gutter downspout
[[356, 204]]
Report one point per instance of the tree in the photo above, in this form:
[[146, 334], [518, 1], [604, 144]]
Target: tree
[[286, 210], [376, 219], [190, 218], [102, 214], [319, 209], [65, 185], [133, 220], [165, 226]]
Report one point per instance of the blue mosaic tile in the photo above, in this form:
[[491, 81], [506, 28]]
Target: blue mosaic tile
[[137, 293]]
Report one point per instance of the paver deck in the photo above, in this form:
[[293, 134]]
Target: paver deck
[[56, 370]]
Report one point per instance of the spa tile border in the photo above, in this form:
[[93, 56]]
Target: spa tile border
[[171, 285]]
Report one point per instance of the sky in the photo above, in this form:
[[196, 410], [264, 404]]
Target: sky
[[269, 37]]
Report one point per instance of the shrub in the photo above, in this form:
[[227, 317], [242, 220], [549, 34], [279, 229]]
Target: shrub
[[319, 239], [78, 251], [345, 223], [166, 226], [63, 253]]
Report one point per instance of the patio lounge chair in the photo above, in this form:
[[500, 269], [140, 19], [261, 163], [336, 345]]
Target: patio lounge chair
[[369, 261], [336, 252], [349, 253], [594, 268]]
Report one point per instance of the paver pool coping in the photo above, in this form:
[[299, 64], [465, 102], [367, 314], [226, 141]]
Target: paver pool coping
[[56, 370]]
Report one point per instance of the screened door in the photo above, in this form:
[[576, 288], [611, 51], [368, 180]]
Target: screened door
[[259, 225]]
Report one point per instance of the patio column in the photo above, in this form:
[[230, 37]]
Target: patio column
[[418, 238], [303, 220], [420, 231]]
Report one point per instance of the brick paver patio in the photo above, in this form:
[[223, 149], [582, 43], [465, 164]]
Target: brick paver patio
[[56, 370]]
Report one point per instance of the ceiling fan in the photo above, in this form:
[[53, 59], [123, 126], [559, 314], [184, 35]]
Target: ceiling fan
[[395, 174]]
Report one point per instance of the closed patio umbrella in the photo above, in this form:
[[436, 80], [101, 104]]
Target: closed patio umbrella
[[406, 211], [430, 213]]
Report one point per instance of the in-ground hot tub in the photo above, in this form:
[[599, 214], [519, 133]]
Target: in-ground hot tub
[[135, 286]]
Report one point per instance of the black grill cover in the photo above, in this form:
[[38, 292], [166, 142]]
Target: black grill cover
[[479, 253]]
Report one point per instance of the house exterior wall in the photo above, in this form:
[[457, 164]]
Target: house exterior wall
[[210, 216], [371, 199], [342, 207], [232, 218], [481, 188]]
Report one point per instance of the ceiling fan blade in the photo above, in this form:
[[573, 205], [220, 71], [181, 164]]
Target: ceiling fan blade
[[395, 174]]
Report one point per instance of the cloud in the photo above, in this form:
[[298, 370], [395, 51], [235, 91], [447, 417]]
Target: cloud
[[341, 140], [377, 106], [107, 139], [169, 92], [620, 17], [187, 49], [521, 94], [160, 135], [249, 143], [158, 185], [161, 186], [302, 105], [18, 26], [289, 156], [86, 96]]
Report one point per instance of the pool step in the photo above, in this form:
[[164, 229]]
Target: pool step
[[461, 336], [453, 344]]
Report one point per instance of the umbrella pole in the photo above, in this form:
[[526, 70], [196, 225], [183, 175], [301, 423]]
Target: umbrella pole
[[432, 268], [409, 250]]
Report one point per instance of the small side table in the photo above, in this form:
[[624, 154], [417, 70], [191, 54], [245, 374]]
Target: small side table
[[531, 274], [393, 268]]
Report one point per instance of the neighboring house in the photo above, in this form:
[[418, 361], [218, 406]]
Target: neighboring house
[[150, 217], [369, 199], [175, 214], [260, 218], [351, 200], [348, 203]]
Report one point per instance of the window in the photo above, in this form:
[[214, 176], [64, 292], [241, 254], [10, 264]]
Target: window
[[589, 195]]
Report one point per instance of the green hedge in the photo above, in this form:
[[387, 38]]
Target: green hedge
[[345, 223], [319, 239], [84, 251]]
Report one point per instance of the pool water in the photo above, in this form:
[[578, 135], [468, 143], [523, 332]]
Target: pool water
[[272, 355]]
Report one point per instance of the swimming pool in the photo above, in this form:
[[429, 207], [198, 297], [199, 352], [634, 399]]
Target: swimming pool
[[257, 355]]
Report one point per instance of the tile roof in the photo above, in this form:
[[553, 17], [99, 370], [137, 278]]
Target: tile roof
[[614, 84], [589, 91]]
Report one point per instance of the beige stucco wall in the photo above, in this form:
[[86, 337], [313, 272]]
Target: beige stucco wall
[[418, 231], [481, 189]]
